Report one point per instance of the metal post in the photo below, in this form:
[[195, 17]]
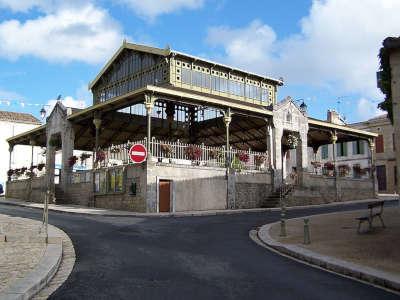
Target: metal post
[[371, 144], [307, 240], [10, 149], [149, 104], [227, 121], [334, 140]]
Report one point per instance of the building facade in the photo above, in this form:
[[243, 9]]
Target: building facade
[[216, 138], [11, 124]]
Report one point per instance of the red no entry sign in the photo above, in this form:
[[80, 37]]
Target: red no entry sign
[[138, 153]]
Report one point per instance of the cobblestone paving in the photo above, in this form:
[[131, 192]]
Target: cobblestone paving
[[19, 255]]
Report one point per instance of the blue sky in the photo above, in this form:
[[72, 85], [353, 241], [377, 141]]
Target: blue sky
[[325, 50]]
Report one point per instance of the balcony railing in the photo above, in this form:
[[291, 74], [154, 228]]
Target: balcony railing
[[188, 154]]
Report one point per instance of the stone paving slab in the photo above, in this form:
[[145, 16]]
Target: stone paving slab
[[27, 262], [76, 209], [361, 272]]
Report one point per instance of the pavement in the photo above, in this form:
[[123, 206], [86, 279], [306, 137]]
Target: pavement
[[208, 257], [27, 262], [336, 246], [77, 209]]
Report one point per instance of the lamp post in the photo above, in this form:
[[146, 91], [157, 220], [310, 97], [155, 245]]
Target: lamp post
[[43, 111]]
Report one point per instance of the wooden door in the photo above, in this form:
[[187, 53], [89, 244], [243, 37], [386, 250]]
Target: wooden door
[[164, 196], [381, 177]]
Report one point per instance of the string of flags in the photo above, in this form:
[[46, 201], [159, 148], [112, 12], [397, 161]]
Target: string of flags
[[21, 103]]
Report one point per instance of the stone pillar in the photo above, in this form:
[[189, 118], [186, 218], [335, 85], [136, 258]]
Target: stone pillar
[[270, 148], [97, 124], [32, 143], [67, 144], [50, 162], [334, 140], [371, 144], [10, 150], [227, 121], [302, 157], [277, 160], [149, 104]]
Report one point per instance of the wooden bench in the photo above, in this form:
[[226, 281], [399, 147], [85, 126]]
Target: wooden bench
[[375, 211]]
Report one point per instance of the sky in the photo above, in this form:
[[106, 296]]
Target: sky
[[325, 50]]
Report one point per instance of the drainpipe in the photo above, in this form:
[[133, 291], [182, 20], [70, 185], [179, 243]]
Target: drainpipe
[[334, 140]]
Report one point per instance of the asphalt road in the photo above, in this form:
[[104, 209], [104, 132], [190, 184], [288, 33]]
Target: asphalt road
[[189, 258]]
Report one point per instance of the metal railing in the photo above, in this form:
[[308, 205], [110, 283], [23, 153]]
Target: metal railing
[[188, 154]]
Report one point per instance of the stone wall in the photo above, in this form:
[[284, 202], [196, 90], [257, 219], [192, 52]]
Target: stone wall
[[251, 189], [27, 189], [322, 189], [79, 193], [125, 200], [194, 187]]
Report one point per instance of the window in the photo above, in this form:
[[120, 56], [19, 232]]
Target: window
[[379, 144], [358, 147], [341, 149], [324, 152]]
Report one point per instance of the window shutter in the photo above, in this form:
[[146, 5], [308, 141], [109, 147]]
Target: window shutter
[[379, 144], [354, 145], [344, 149], [362, 147]]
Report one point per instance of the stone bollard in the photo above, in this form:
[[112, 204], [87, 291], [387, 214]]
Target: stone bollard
[[307, 240]]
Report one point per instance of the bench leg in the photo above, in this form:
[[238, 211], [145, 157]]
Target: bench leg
[[383, 224]]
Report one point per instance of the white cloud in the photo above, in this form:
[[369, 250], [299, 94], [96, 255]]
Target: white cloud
[[71, 33], [337, 45], [367, 109], [68, 101], [41, 5], [152, 9]]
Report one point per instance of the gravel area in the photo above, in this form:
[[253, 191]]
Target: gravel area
[[336, 235]]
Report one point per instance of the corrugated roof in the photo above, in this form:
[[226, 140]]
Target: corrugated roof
[[18, 117]]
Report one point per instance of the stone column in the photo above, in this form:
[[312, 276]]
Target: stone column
[[10, 150], [97, 124], [50, 162], [149, 104], [334, 140], [67, 143], [32, 143], [270, 148], [302, 157], [227, 121], [371, 144], [277, 160]]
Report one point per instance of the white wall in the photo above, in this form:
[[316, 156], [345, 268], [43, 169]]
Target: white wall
[[21, 156]]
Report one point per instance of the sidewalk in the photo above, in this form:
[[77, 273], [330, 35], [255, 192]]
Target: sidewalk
[[27, 262], [336, 245], [76, 209]]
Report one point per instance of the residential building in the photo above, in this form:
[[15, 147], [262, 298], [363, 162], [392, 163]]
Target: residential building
[[385, 152], [11, 124]]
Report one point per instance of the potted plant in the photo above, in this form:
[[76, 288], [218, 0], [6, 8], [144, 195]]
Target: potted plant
[[243, 156], [72, 161], [100, 156], [84, 156], [40, 166], [10, 172], [167, 150], [329, 166], [292, 141], [193, 152], [115, 149], [259, 160]]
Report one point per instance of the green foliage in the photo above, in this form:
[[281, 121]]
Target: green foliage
[[384, 82], [237, 164]]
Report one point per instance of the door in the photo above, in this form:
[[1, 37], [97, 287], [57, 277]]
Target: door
[[381, 177], [164, 196]]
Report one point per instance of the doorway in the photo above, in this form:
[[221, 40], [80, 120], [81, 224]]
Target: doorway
[[381, 177], [164, 196]]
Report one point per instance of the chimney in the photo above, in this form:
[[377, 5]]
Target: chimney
[[334, 117]]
